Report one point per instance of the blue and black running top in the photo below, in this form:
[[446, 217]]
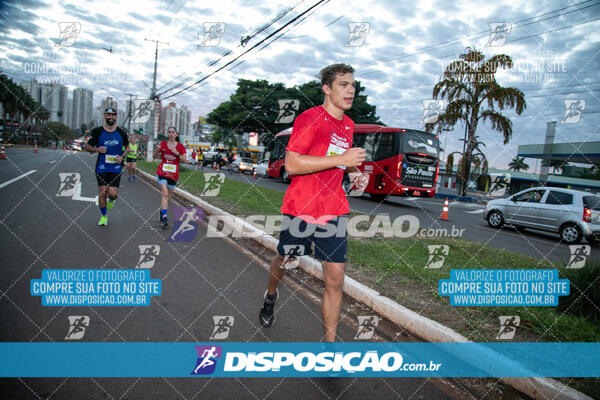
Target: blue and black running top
[[114, 143]]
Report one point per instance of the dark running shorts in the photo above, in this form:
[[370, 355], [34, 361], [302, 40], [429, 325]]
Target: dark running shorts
[[109, 179], [297, 236], [163, 179]]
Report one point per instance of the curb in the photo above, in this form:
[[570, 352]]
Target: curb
[[423, 327]]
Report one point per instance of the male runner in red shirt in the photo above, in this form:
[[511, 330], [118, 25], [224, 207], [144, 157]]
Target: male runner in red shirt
[[315, 204]]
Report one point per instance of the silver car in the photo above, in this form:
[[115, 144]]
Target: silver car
[[572, 214]]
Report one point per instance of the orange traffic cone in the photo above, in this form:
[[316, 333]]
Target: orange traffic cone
[[254, 173], [444, 215], [2, 153], [214, 165], [35, 148]]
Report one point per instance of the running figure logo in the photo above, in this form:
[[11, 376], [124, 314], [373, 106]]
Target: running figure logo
[[437, 255], [358, 184], [287, 111], [431, 110], [186, 223], [212, 34], [207, 359], [499, 32], [366, 327], [357, 33], [291, 259], [148, 254], [142, 110], [498, 183], [77, 325], [68, 33], [223, 324], [579, 254], [68, 181], [508, 326], [213, 182], [573, 111]]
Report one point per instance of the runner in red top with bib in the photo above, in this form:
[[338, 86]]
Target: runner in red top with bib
[[171, 154], [317, 198], [169, 165], [315, 208]]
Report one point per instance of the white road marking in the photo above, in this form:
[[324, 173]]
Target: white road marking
[[77, 195], [480, 211], [17, 178]]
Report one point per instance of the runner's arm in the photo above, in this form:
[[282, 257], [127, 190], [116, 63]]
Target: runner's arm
[[302, 164]]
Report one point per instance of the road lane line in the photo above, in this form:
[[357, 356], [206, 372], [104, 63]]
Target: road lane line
[[17, 178], [475, 211]]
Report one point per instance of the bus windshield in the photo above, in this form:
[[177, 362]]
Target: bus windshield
[[420, 142], [378, 145]]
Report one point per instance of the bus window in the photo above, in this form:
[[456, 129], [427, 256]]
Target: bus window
[[279, 149], [415, 142], [384, 146], [366, 141], [378, 145]]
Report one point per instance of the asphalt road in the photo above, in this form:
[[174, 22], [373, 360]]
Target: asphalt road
[[465, 219], [200, 279]]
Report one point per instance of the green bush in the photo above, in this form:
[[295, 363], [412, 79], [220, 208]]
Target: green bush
[[584, 300]]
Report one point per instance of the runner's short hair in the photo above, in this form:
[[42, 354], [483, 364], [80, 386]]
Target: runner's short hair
[[329, 73]]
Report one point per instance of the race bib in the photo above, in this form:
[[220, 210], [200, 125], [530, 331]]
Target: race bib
[[334, 150], [169, 168], [110, 159]]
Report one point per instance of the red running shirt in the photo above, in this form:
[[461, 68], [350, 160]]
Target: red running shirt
[[318, 197], [169, 165]]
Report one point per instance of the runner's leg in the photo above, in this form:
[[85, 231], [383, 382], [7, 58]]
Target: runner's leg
[[333, 274]]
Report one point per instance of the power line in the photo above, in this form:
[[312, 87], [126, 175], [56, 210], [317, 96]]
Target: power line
[[250, 49], [553, 30], [244, 40], [477, 35], [562, 94]]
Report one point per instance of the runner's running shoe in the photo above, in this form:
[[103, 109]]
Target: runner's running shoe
[[266, 316], [103, 220], [110, 204], [163, 221]]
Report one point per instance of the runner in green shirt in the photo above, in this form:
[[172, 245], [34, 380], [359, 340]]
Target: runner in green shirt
[[132, 151]]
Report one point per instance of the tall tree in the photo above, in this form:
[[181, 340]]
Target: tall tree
[[255, 107], [473, 95], [517, 164]]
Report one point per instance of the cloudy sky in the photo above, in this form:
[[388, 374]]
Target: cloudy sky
[[555, 46]]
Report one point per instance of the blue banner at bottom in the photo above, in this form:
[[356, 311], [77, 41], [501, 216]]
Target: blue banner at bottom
[[225, 359]]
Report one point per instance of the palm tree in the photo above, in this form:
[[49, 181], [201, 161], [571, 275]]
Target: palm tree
[[517, 164], [473, 95], [554, 164]]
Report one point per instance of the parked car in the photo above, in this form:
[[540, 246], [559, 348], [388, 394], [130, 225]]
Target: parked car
[[573, 214], [211, 154], [261, 167], [242, 164]]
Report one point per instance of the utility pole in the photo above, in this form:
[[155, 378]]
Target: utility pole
[[156, 113], [129, 111], [153, 93]]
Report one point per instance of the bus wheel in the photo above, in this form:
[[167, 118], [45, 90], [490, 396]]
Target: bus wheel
[[284, 176], [378, 197]]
